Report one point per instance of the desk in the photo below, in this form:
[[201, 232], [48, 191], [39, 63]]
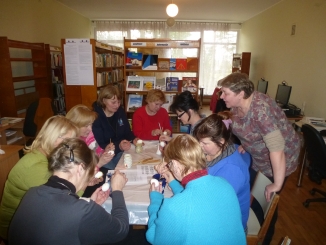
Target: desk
[[17, 138], [7, 161], [137, 196]]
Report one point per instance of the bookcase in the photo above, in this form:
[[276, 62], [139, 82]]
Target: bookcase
[[96, 65], [24, 75], [57, 80], [169, 65], [241, 62]]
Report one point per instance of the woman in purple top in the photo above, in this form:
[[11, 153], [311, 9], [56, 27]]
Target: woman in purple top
[[264, 132]]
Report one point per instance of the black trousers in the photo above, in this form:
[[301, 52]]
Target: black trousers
[[259, 211]]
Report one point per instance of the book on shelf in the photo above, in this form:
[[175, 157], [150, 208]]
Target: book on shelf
[[168, 101], [160, 84], [134, 60], [181, 64], [172, 83], [135, 101], [163, 63], [134, 83], [192, 63], [173, 64], [148, 83], [150, 62], [189, 84]]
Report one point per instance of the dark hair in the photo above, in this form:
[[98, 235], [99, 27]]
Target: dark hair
[[214, 128], [72, 152], [238, 82], [184, 102]]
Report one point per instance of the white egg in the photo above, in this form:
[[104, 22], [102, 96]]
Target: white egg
[[111, 152], [165, 133], [162, 143], [105, 186], [139, 141], [98, 175], [155, 181]]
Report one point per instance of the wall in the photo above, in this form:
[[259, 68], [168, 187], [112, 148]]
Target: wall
[[43, 21], [298, 59]]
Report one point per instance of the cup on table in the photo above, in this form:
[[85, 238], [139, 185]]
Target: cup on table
[[127, 160]]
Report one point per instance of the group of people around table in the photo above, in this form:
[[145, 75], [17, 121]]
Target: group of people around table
[[52, 189]]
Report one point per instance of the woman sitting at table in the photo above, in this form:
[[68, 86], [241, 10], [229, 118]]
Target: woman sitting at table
[[223, 159], [32, 169], [53, 214], [151, 120], [112, 124], [204, 209]]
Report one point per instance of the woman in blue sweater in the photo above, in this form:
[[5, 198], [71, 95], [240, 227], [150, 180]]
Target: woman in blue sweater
[[203, 210], [223, 159]]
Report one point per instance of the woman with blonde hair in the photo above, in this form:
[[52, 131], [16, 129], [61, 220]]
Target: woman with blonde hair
[[32, 169], [53, 214], [203, 209], [149, 120]]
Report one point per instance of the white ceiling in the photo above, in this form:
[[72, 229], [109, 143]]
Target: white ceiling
[[234, 11]]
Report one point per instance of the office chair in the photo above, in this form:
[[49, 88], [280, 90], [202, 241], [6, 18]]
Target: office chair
[[256, 231], [316, 154]]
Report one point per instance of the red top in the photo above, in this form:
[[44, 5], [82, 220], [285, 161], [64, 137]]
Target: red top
[[143, 124]]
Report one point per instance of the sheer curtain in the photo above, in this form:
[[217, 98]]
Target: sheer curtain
[[218, 43]]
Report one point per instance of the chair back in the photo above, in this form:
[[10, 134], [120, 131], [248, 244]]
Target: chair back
[[315, 148], [256, 233]]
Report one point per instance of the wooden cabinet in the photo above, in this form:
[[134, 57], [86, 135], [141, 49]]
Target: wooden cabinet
[[241, 62], [12, 134], [106, 68], [175, 60], [57, 80], [24, 75]]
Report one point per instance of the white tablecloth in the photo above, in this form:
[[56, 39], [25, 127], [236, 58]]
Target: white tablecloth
[[137, 196]]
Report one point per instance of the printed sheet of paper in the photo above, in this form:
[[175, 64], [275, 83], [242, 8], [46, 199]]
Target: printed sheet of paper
[[138, 176]]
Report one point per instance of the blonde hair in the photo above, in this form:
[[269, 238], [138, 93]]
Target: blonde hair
[[108, 92], [52, 129], [81, 115], [72, 152], [154, 95], [187, 151]]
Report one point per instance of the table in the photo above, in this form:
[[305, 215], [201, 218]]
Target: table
[[7, 161], [17, 138], [137, 195]]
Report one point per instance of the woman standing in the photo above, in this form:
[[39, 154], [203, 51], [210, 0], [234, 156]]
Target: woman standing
[[53, 214], [264, 132], [112, 124], [223, 159], [32, 169], [148, 120], [204, 208]]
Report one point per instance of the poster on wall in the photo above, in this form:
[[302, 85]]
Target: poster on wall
[[78, 62]]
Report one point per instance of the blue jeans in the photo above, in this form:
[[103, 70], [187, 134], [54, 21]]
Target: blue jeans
[[114, 161]]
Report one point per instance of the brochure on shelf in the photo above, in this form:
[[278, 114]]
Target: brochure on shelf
[[134, 83]]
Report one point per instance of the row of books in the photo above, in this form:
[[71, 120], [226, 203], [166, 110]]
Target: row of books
[[104, 78], [108, 60], [135, 101], [60, 105], [153, 62], [58, 90], [145, 83], [56, 60]]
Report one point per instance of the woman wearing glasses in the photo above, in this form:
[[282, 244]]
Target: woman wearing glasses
[[53, 214], [150, 120], [204, 209], [32, 169]]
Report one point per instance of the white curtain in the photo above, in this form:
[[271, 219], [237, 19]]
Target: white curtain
[[217, 48]]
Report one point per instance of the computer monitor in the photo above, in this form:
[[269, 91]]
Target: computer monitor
[[262, 86], [283, 94]]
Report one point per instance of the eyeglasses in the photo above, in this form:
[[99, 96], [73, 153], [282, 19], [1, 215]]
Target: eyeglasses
[[71, 157], [180, 115]]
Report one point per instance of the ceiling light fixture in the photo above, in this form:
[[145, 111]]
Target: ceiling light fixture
[[172, 10]]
